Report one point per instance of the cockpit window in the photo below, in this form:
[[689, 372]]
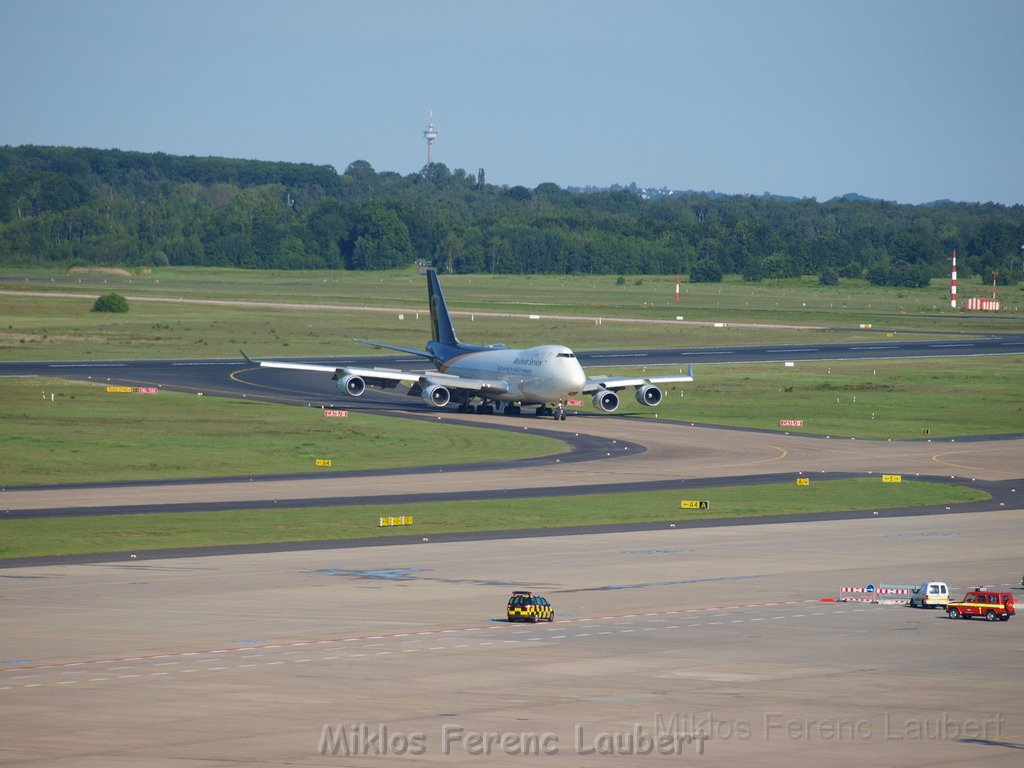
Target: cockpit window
[[565, 354]]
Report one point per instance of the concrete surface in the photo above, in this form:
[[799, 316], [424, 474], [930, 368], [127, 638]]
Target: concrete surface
[[222, 661]]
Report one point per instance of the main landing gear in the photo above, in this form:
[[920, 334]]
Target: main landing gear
[[490, 407], [485, 408], [558, 412]]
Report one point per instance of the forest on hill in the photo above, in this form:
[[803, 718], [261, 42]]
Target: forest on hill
[[70, 206]]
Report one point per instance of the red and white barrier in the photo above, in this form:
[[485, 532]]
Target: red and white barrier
[[987, 305], [889, 595]]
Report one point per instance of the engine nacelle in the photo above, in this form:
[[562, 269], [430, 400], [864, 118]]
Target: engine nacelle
[[436, 395], [606, 400], [352, 385], [648, 394]]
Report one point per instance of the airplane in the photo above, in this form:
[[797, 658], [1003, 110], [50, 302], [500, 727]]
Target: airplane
[[503, 380]]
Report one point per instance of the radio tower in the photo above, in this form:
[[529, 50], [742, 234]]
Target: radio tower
[[431, 136]]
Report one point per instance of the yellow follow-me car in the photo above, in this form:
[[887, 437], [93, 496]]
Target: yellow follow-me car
[[529, 607]]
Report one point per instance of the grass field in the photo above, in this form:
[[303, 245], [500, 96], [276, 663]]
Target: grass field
[[43, 328], [877, 399], [137, 533], [88, 435], [637, 296], [54, 328]]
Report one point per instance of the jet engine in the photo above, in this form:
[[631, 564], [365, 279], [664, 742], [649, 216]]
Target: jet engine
[[606, 400], [648, 394], [352, 385], [436, 395]]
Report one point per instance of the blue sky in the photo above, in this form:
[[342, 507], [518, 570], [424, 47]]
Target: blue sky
[[910, 101]]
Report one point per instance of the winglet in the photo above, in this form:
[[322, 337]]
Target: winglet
[[249, 359]]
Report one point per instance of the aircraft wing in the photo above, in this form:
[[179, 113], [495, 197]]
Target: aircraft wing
[[614, 383], [382, 374], [294, 366], [379, 376], [389, 378], [486, 387]]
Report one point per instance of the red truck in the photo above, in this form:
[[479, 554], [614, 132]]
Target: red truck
[[983, 602]]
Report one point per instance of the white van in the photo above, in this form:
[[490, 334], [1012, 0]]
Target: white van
[[930, 594]]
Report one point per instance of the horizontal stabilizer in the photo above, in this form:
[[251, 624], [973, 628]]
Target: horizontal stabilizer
[[419, 352]]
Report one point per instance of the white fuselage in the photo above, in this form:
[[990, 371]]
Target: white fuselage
[[546, 374]]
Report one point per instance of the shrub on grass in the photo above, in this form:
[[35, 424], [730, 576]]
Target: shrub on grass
[[111, 302]]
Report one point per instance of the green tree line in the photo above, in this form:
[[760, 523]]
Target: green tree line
[[110, 207]]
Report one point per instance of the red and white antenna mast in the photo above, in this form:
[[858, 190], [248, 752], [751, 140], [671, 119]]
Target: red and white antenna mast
[[952, 285]]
